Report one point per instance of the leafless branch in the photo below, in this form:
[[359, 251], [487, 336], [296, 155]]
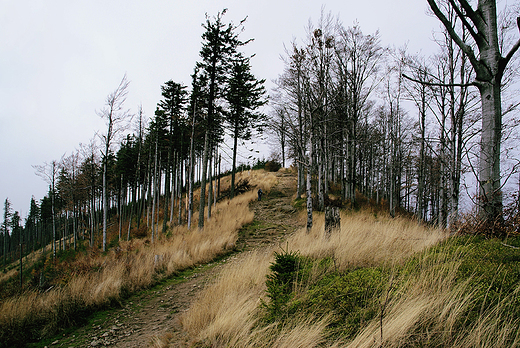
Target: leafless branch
[[478, 38], [435, 84], [447, 24], [512, 51]]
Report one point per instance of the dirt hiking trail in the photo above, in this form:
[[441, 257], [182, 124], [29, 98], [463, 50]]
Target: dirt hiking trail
[[151, 318]]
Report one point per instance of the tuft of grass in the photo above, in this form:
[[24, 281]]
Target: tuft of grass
[[365, 240], [222, 314]]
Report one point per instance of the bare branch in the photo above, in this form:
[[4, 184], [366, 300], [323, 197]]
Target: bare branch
[[478, 38], [463, 46], [510, 246], [512, 51], [434, 84], [474, 16]]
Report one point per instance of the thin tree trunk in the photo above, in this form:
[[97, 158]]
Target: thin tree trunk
[[219, 173], [309, 186], [205, 158], [191, 173], [321, 197], [177, 185], [130, 222], [233, 167], [53, 220], [181, 185], [167, 187], [210, 186], [154, 194], [421, 177], [120, 208]]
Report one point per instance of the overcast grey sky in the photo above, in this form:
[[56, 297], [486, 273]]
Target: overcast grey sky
[[60, 59]]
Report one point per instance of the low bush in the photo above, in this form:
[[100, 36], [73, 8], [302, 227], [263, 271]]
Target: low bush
[[272, 166], [352, 297]]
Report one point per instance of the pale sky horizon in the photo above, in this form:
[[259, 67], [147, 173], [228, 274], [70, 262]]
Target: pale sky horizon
[[60, 59]]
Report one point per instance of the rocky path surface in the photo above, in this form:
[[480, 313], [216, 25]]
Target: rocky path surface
[[151, 318]]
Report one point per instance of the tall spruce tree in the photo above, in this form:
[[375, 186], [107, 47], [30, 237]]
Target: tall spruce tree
[[219, 45], [31, 223], [244, 95], [173, 104], [6, 226]]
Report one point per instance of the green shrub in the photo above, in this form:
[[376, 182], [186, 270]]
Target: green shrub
[[260, 164], [351, 297], [280, 283]]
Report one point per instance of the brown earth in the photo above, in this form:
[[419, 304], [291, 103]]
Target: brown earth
[[151, 318]]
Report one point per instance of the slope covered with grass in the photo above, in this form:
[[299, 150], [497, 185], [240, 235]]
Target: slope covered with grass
[[95, 280], [376, 282]]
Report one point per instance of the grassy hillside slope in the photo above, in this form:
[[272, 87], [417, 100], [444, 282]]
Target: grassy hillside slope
[[378, 282], [91, 280]]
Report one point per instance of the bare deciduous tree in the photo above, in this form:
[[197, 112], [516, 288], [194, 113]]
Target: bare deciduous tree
[[489, 64], [116, 119], [49, 173]]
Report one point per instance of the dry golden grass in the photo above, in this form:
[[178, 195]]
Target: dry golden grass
[[223, 313], [102, 278], [429, 296], [257, 179], [429, 309], [425, 306], [227, 311], [15, 265], [9, 274], [365, 240]]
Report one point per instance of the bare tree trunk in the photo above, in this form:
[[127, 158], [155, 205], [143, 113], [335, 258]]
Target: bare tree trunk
[[120, 207], [130, 222], [176, 182], [205, 158], [489, 171], [190, 186], [191, 171], [167, 187], [92, 209], [154, 192], [332, 220], [489, 66], [210, 186], [158, 198], [234, 161], [216, 177], [181, 182], [421, 208], [442, 177], [105, 203], [321, 196], [309, 185]]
